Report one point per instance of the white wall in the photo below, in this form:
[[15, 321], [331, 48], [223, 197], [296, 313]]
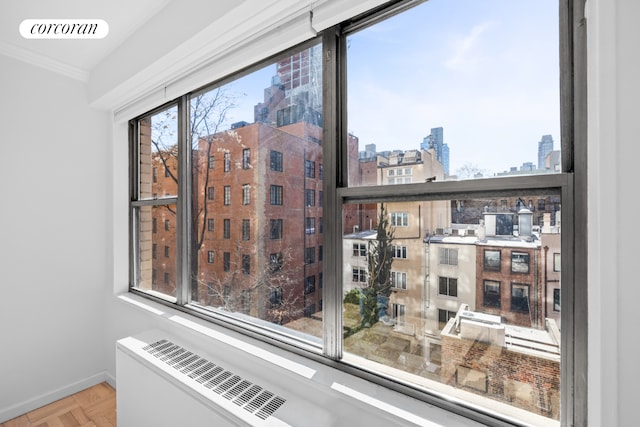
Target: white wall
[[53, 283], [614, 129]]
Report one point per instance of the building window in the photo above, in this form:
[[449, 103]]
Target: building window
[[227, 195], [275, 297], [310, 285], [320, 225], [246, 264], [155, 175], [448, 256], [310, 225], [275, 195], [359, 249], [320, 255], [400, 219], [444, 316], [246, 229], [227, 161], [166, 251], [210, 224], [226, 261], [556, 299], [491, 260], [246, 194], [310, 198], [211, 162], [246, 158], [154, 250], [556, 262], [275, 161], [210, 193], [309, 169], [520, 297], [210, 257], [520, 262], [491, 294], [310, 255], [154, 226], [399, 252], [320, 172], [448, 286], [275, 261], [167, 225], [359, 275], [226, 228], [276, 229], [399, 280]]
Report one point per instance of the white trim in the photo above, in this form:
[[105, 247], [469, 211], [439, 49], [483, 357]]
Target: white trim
[[43, 61]]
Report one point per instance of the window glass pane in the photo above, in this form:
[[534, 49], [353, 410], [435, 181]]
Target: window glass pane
[[455, 312], [266, 126], [157, 249], [468, 89], [158, 154]]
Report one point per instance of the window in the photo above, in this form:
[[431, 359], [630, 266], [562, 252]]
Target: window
[[520, 297], [210, 257], [309, 169], [448, 286], [399, 280], [556, 299], [246, 194], [166, 251], [491, 294], [310, 225], [210, 193], [154, 250], [310, 285], [460, 174], [226, 261], [276, 229], [400, 219], [275, 195], [448, 256], [444, 316], [210, 224], [310, 198], [227, 161], [399, 252], [275, 261], [227, 195], [520, 262], [246, 264], [359, 249], [246, 158], [275, 297], [226, 228], [275, 161], [491, 260], [310, 255], [359, 275], [211, 162], [246, 229]]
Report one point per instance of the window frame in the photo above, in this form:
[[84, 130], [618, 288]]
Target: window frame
[[570, 183]]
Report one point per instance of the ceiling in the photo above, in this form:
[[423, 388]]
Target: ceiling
[[76, 57]]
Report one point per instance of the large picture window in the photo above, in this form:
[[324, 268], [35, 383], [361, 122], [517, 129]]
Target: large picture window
[[431, 215]]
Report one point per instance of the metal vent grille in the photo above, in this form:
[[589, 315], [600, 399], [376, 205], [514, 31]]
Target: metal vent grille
[[247, 395]]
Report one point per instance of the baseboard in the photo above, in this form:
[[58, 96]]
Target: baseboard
[[21, 408]]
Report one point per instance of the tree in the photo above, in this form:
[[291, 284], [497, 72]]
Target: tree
[[379, 260]]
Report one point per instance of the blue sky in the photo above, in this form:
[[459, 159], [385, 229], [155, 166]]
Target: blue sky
[[485, 71]]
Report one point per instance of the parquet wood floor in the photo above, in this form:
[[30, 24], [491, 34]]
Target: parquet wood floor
[[93, 407]]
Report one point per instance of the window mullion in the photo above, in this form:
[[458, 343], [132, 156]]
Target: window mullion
[[333, 82], [183, 219]]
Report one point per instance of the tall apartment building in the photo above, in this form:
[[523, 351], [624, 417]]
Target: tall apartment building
[[545, 146]]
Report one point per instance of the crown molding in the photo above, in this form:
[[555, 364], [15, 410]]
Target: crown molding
[[43, 61]]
